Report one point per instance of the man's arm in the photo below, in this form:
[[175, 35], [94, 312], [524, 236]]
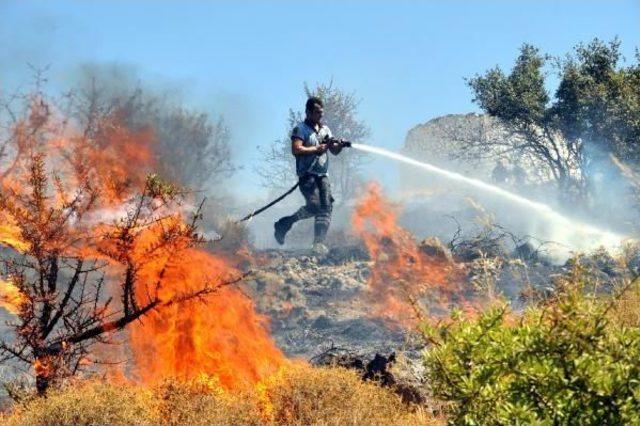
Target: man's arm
[[298, 148]]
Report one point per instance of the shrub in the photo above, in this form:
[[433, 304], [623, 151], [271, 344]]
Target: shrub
[[297, 395], [564, 362], [91, 403], [202, 402], [333, 396]]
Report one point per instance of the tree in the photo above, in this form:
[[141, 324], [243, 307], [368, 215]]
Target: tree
[[192, 148], [340, 109], [595, 112], [95, 239]]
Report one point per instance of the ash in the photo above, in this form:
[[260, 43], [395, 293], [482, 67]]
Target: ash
[[313, 303]]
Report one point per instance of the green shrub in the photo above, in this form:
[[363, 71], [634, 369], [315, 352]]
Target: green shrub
[[564, 362]]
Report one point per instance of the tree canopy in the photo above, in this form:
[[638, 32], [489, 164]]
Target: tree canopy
[[594, 111]]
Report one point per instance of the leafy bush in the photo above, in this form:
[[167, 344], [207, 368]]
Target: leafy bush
[[567, 361]]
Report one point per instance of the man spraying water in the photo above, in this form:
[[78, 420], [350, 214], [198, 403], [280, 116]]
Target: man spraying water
[[310, 141]]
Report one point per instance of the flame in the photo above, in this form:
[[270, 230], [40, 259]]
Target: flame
[[43, 366], [223, 337], [215, 335], [403, 280], [11, 298], [11, 235]]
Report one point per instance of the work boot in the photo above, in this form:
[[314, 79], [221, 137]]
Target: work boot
[[319, 249], [281, 227]]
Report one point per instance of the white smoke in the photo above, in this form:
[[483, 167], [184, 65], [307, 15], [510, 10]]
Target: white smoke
[[570, 234]]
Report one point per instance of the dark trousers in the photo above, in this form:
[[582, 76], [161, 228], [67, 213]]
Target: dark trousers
[[317, 193]]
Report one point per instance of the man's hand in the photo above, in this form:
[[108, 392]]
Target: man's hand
[[297, 148], [322, 148]]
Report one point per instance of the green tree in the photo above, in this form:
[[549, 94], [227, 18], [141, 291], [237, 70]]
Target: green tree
[[595, 111], [341, 115]]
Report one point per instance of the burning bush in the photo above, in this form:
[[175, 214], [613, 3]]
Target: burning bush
[[406, 280], [99, 241]]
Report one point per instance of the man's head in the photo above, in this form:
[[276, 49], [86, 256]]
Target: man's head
[[314, 109]]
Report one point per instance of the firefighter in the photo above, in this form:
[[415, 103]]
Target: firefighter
[[312, 165]]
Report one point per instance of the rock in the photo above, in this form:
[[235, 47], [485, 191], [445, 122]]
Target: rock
[[482, 245], [322, 322], [432, 246], [340, 255], [526, 252], [436, 140], [377, 369]]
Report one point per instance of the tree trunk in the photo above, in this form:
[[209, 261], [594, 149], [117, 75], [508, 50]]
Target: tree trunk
[[43, 374]]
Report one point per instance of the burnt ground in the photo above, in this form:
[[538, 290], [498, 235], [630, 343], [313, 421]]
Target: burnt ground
[[316, 313], [314, 303], [316, 308]]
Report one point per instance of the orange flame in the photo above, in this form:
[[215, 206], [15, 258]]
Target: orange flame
[[43, 366], [403, 278], [218, 334], [11, 298], [223, 337], [10, 234]]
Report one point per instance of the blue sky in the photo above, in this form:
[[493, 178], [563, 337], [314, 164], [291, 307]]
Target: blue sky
[[405, 60]]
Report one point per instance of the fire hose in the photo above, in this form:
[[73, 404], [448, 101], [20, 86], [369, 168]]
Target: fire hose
[[327, 140], [276, 201]]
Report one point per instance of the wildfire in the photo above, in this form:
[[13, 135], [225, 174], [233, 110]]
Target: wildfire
[[10, 234], [42, 367], [11, 298], [404, 280], [216, 335], [223, 337]]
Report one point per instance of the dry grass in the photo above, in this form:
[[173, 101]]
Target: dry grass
[[626, 310], [298, 395], [87, 404], [334, 396]]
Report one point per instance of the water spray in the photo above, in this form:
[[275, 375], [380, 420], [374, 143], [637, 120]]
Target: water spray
[[589, 236]]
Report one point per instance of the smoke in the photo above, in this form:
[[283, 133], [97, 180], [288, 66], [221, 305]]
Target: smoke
[[574, 234], [438, 200]]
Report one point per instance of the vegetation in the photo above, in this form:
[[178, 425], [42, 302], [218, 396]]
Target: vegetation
[[571, 359], [595, 112], [93, 236], [299, 395], [191, 147]]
